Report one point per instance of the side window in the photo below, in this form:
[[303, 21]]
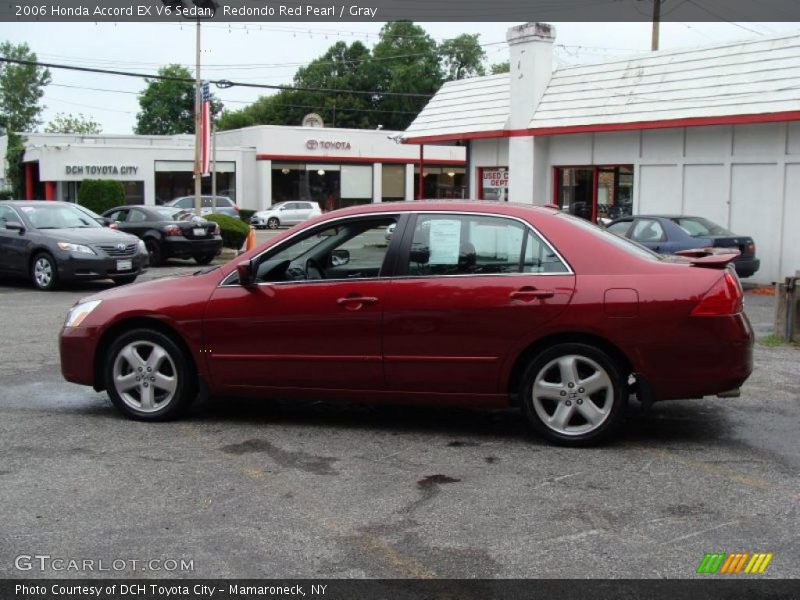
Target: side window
[[118, 215], [647, 230], [185, 202], [620, 228], [137, 216], [540, 258], [6, 215], [460, 245], [353, 249]]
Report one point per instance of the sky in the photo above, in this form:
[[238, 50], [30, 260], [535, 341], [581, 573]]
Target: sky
[[270, 53]]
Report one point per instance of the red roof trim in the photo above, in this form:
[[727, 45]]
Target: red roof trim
[[792, 115], [358, 159]]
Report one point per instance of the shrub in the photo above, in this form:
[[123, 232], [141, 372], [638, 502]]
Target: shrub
[[234, 231], [100, 195], [6, 194], [245, 214]]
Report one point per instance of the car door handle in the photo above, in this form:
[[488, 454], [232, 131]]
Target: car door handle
[[530, 293], [356, 302]]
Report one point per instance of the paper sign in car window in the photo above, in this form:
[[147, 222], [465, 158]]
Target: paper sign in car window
[[445, 241]]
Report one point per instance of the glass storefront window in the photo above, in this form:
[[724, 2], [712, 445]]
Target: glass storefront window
[[493, 184], [595, 192], [393, 183], [441, 182]]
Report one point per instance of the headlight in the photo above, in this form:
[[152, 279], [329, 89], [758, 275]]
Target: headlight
[[142, 247], [79, 312], [75, 248]]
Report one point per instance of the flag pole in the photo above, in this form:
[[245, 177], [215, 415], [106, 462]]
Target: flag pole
[[197, 128], [213, 163]]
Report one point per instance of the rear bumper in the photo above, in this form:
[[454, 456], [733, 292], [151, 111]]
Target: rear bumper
[[746, 266], [180, 247], [710, 356], [72, 266], [76, 346]]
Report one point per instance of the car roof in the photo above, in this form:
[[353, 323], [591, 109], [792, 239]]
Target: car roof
[[39, 203], [505, 208]]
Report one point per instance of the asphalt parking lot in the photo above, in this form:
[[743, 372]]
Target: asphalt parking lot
[[258, 489]]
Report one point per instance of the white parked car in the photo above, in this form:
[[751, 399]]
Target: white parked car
[[285, 213]]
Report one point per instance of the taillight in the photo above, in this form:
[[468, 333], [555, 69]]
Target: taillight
[[113, 226], [172, 230], [216, 229], [725, 298], [751, 248], [236, 207]]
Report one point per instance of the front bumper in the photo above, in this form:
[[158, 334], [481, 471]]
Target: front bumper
[[76, 345], [258, 221], [181, 247], [74, 265]]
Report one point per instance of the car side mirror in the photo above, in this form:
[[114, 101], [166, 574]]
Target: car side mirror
[[15, 226], [340, 258], [245, 272]]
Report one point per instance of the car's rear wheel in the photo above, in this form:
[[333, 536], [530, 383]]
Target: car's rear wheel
[[574, 394], [44, 272], [148, 376], [273, 223], [154, 252], [203, 259]]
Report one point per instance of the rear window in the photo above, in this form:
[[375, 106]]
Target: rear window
[[615, 240], [700, 227]]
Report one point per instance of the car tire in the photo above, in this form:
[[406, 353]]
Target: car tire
[[560, 405], [203, 259], [44, 272], [273, 223], [148, 376], [154, 252], [125, 280]]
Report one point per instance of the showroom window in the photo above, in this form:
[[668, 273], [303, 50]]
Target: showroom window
[[393, 183], [595, 192], [441, 182]]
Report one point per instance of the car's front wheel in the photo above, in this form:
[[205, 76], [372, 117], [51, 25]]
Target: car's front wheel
[[44, 272], [148, 376], [273, 223], [574, 394]]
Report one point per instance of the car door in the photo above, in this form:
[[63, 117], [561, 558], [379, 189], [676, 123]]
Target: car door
[[136, 223], [296, 329], [304, 211], [289, 213], [119, 216], [470, 290], [13, 243]]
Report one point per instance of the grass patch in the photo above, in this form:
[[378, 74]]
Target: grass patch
[[772, 340]]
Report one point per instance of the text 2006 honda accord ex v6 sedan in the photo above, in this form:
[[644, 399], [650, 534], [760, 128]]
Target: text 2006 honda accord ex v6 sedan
[[466, 303]]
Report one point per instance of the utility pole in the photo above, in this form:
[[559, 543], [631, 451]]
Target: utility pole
[[656, 24], [198, 168], [213, 165]]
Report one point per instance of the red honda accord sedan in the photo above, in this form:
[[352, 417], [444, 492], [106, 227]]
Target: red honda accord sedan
[[443, 303]]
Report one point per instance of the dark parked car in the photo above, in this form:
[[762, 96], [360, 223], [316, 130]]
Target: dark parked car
[[52, 242], [224, 205], [670, 234], [468, 304], [169, 232]]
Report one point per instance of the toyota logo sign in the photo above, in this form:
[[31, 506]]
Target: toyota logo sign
[[121, 247], [312, 144]]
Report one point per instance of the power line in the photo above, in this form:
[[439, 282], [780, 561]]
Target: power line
[[223, 83]]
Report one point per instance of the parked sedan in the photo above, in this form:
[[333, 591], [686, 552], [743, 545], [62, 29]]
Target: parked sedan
[[468, 304], [169, 232], [53, 242], [671, 234], [223, 206], [285, 213]]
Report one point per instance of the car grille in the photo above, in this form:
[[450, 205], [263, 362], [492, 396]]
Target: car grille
[[115, 250]]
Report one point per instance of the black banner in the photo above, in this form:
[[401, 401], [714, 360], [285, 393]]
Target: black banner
[[401, 589], [391, 10]]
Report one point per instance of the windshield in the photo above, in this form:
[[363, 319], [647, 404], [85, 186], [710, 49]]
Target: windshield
[[620, 242], [700, 227], [58, 217]]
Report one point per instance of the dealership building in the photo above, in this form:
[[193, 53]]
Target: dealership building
[[255, 166], [712, 131]]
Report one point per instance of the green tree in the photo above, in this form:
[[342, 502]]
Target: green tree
[[21, 89], [462, 57], [501, 67], [64, 123], [405, 60], [167, 106]]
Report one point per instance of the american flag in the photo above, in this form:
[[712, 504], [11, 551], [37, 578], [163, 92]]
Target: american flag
[[205, 131]]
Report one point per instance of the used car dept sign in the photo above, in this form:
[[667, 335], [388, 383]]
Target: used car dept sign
[[327, 145]]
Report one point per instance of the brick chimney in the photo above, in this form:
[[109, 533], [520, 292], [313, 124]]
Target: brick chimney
[[531, 65]]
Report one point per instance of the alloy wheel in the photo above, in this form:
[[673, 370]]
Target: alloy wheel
[[145, 377]]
